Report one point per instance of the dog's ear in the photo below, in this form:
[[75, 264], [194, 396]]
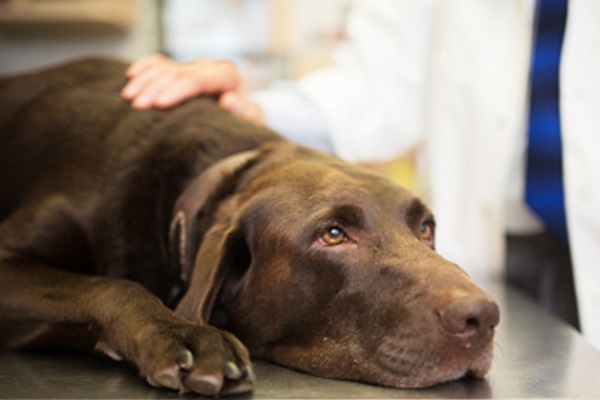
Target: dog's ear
[[205, 255], [221, 261]]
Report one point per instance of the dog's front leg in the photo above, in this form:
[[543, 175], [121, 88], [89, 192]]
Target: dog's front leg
[[41, 306]]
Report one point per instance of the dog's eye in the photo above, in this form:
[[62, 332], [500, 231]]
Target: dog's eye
[[427, 232], [333, 236]]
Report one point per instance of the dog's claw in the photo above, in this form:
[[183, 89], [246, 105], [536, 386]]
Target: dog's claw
[[231, 371], [185, 360], [239, 380], [199, 359], [249, 374]]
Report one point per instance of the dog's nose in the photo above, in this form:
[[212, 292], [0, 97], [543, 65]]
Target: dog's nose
[[471, 318]]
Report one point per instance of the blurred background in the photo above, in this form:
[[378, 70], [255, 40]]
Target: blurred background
[[268, 39]]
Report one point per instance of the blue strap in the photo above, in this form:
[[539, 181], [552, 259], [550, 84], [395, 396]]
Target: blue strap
[[544, 177]]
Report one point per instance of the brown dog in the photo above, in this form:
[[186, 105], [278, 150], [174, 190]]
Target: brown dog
[[110, 216]]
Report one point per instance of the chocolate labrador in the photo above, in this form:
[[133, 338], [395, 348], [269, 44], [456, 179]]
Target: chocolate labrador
[[186, 241]]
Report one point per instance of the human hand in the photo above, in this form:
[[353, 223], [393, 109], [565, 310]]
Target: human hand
[[157, 81]]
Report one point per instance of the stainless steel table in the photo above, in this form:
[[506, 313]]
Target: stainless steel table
[[537, 356]]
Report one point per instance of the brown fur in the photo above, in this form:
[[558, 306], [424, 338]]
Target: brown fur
[[157, 236]]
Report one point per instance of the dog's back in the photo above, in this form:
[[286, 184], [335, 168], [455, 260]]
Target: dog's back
[[311, 262], [69, 123], [74, 155]]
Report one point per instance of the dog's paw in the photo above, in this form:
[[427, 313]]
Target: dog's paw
[[195, 358]]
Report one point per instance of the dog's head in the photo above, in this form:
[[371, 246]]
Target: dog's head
[[323, 267]]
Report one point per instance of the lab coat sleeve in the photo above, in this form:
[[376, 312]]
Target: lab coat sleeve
[[367, 106], [292, 113], [580, 103]]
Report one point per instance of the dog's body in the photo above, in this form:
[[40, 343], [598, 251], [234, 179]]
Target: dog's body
[[311, 262]]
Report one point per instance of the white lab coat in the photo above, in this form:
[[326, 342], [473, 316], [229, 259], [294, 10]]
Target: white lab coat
[[451, 77]]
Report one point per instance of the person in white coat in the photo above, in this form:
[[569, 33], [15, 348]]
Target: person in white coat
[[451, 79]]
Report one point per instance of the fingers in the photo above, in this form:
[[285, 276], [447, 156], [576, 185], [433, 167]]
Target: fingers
[[144, 63], [197, 78], [240, 105], [151, 86], [156, 81], [142, 76]]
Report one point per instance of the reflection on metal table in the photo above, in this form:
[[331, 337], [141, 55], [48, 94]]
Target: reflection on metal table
[[536, 356]]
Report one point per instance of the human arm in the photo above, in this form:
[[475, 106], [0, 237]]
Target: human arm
[[370, 100], [368, 106]]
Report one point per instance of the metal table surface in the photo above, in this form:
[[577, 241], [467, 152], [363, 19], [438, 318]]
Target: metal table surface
[[536, 356]]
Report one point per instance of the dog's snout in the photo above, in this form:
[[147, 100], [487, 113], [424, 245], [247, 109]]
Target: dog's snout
[[471, 318]]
